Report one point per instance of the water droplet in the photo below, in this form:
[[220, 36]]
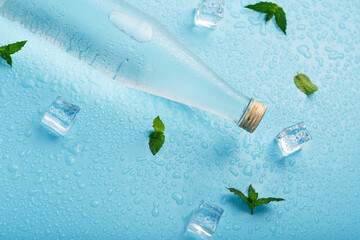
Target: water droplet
[[176, 175], [240, 25], [28, 83], [304, 50], [286, 190], [94, 204], [155, 211], [137, 200], [72, 147], [204, 145], [13, 168], [139, 213], [248, 170], [233, 171], [70, 161], [28, 133], [178, 198], [11, 128], [140, 159]]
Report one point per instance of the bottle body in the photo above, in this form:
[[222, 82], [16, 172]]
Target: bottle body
[[132, 48]]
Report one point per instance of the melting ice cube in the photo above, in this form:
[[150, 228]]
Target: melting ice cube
[[293, 138], [60, 116], [205, 219], [209, 13]]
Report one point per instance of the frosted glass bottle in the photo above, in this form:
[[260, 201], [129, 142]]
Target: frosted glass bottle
[[134, 49]]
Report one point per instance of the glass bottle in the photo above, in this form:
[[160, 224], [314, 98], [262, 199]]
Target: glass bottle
[[136, 50]]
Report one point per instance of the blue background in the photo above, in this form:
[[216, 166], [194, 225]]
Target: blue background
[[102, 182]]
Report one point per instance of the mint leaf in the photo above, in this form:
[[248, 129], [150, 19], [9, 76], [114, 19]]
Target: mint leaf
[[157, 137], [7, 50], [240, 194], [269, 16], [304, 84], [158, 125], [157, 140], [262, 201], [271, 9], [252, 194], [7, 58], [14, 47], [263, 7], [253, 200], [280, 19]]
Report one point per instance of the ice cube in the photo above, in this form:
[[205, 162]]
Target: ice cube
[[60, 116], [209, 13], [293, 138], [205, 219]]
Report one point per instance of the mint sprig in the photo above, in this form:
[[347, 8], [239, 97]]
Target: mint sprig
[[271, 9], [157, 138], [304, 84], [7, 50], [253, 200]]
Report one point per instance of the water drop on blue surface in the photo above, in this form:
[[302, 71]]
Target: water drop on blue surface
[[176, 175], [178, 198], [155, 211], [233, 171], [287, 190], [13, 168], [28, 133], [304, 50], [70, 161], [248, 170], [94, 204]]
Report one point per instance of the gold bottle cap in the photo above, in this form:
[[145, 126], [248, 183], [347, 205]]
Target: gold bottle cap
[[253, 116]]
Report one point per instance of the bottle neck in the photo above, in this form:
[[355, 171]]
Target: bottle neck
[[252, 115]]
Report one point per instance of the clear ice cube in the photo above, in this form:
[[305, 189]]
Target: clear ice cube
[[205, 219], [60, 116], [209, 13], [293, 138]]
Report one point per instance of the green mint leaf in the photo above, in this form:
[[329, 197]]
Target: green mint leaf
[[304, 84], [269, 16], [262, 201], [240, 194], [252, 194], [14, 47], [263, 7], [7, 50], [7, 58], [280, 18], [157, 137], [253, 200], [157, 140], [271, 9], [158, 125]]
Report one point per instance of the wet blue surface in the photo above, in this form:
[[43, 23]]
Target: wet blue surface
[[102, 182]]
